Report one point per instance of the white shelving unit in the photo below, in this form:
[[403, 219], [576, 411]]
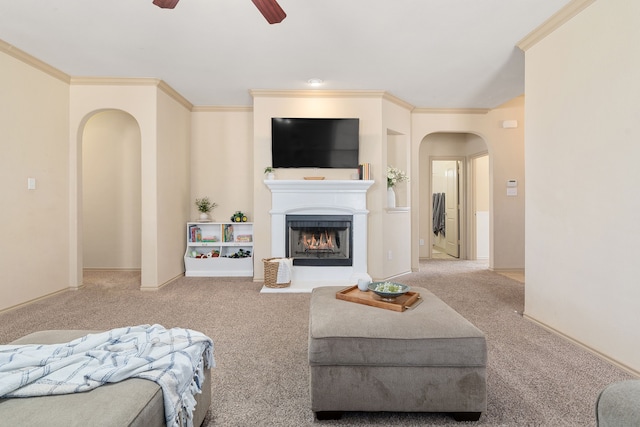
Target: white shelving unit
[[219, 249]]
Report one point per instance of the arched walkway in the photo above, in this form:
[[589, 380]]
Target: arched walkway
[[448, 174], [111, 197]]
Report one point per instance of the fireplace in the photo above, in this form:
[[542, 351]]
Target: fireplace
[[339, 209], [319, 240]]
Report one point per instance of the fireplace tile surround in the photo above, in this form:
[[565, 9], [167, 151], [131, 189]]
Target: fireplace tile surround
[[320, 197]]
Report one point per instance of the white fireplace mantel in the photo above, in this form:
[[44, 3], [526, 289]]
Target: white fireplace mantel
[[332, 185], [296, 195], [321, 197]]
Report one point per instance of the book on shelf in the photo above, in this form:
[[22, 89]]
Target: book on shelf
[[364, 171], [228, 233], [195, 234]]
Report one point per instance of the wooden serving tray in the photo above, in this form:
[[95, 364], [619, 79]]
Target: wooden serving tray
[[403, 302]]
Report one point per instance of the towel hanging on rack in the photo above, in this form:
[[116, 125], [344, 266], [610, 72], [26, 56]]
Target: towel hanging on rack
[[439, 214]]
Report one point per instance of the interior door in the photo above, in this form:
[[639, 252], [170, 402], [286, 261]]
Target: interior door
[[452, 209]]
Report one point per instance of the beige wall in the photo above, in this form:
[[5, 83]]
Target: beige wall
[[173, 184], [221, 165], [481, 184], [111, 192], [582, 180], [34, 135], [506, 151]]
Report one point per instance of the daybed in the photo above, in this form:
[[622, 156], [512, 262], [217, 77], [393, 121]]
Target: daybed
[[132, 402]]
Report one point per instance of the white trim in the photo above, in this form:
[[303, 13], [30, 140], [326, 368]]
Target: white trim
[[584, 346], [553, 23]]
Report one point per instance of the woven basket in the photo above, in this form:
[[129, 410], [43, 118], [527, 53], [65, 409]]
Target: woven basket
[[271, 274]]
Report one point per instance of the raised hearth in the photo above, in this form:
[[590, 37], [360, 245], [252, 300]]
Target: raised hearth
[[315, 199]]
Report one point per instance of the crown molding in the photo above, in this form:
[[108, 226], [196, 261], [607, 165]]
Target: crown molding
[[553, 23], [33, 61], [451, 110], [222, 109], [133, 81], [380, 94], [258, 93], [115, 81], [163, 86], [399, 102]]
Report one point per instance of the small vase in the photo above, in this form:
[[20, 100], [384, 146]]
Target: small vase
[[391, 198], [204, 216], [271, 176]]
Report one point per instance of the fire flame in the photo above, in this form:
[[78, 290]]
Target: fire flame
[[315, 241]]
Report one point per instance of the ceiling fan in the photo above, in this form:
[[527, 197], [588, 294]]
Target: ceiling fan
[[270, 9]]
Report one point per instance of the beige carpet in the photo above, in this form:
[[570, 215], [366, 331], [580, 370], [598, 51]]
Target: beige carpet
[[535, 378]]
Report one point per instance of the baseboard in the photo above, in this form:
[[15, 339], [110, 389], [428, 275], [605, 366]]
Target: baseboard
[[395, 276], [6, 310], [507, 270], [161, 285], [584, 346]]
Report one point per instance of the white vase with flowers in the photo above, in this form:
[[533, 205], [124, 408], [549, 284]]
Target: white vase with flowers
[[394, 177]]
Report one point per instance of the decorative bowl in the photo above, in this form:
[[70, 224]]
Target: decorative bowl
[[388, 291]]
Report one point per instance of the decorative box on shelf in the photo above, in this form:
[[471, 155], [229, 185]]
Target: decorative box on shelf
[[219, 249]]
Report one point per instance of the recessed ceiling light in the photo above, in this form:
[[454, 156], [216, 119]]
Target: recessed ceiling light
[[315, 82]]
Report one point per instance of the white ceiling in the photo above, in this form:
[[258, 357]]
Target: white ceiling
[[429, 53]]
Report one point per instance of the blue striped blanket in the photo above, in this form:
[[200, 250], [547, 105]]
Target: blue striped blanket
[[174, 358]]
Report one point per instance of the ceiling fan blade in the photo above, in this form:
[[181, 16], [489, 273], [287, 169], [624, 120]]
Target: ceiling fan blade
[[166, 4], [271, 10]]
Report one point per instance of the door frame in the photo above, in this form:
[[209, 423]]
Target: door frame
[[473, 232], [462, 200]]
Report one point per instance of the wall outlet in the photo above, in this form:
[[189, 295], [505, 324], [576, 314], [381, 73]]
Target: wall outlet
[[421, 242], [390, 255]]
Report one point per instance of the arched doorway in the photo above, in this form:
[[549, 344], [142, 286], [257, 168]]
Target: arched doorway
[[448, 181], [111, 198]]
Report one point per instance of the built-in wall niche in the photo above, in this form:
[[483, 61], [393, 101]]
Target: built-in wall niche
[[398, 152]]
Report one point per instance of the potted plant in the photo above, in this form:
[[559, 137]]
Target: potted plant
[[205, 205], [268, 171]]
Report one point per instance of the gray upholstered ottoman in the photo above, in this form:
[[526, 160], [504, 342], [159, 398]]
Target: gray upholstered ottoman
[[133, 402], [619, 405], [426, 359]]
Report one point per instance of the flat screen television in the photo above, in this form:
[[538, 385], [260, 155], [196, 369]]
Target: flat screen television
[[314, 142]]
